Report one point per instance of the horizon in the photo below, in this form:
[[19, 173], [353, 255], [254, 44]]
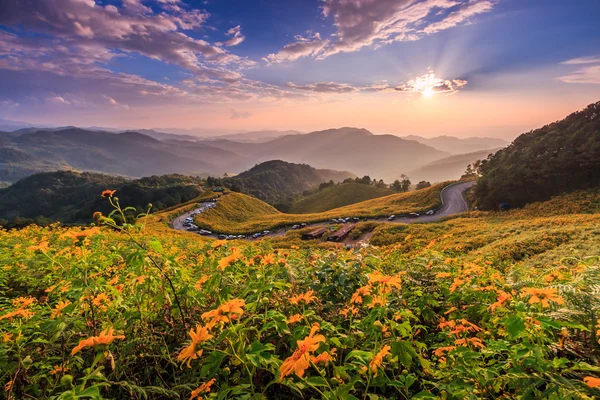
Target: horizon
[[478, 68]]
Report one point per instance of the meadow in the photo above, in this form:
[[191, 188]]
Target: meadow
[[139, 311], [240, 213]]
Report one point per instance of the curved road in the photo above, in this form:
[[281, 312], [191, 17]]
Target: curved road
[[453, 202]]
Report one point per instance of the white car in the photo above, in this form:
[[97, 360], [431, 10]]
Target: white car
[[430, 212]]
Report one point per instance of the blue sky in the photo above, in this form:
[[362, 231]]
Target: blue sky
[[463, 67]]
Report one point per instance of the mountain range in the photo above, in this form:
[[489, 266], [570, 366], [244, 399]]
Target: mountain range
[[151, 152]]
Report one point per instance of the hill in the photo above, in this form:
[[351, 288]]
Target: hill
[[454, 145], [560, 157], [448, 168], [337, 196], [237, 213], [345, 149], [279, 182], [128, 153], [72, 197]]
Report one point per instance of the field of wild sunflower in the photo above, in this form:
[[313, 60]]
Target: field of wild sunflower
[[124, 311]]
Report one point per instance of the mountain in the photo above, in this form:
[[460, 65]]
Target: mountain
[[454, 145], [349, 149], [72, 197], [560, 157], [256, 136], [278, 182], [128, 153], [448, 168], [338, 196]]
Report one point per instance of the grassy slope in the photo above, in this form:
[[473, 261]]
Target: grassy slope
[[239, 213], [338, 196]]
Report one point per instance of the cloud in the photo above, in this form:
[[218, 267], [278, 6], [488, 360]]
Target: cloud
[[237, 37], [325, 87], [361, 23], [582, 60], [589, 74], [240, 114], [114, 103], [301, 47], [131, 28], [58, 100], [429, 84]]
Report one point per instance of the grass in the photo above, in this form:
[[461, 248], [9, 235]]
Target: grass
[[338, 196], [237, 213]]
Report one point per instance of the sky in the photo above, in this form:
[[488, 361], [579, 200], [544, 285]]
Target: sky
[[494, 68]]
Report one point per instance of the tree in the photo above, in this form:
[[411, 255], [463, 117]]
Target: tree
[[396, 185], [405, 183], [423, 185]]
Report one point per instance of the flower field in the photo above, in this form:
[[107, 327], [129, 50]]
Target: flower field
[[128, 311]]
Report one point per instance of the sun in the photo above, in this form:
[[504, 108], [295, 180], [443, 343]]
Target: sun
[[428, 92]]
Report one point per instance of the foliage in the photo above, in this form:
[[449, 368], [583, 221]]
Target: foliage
[[561, 157], [72, 197], [122, 312]]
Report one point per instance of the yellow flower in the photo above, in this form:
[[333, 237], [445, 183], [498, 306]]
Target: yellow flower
[[106, 337], [226, 312], [376, 362], [230, 259], [298, 362], [293, 319], [188, 354], [57, 311], [377, 301], [542, 296]]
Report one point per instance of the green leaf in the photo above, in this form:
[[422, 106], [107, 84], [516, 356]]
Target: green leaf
[[156, 246], [515, 326]]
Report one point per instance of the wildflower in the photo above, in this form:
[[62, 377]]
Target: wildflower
[[293, 319], [108, 193], [198, 336], [305, 298], [7, 337], [457, 282], [57, 311], [80, 235], [230, 259], [226, 312], [57, 369], [188, 354], [23, 302], [439, 352], [441, 275], [592, 381], [377, 301], [349, 310], [218, 243], [204, 388], [97, 215], [376, 362], [360, 293], [106, 337], [267, 260], [503, 297], [386, 280], [17, 313], [324, 357], [101, 301], [298, 362], [475, 342], [200, 282], [542, 296]]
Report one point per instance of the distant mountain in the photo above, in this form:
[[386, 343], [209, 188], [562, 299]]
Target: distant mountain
[[256, 136], [561, 157], [454, 145], [72, 197], [448, 168], [128, 153], [348, 149], [279, 183], [9, 126]]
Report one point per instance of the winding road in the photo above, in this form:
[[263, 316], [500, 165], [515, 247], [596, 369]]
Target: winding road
[[453, 202]]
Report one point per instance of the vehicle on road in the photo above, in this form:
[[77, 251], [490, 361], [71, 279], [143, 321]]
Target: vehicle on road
[[391, 217], [295, 226], [256, 235], [430, 212], [413, 215]]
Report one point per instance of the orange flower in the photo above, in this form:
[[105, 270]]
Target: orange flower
[[293, 319], [475, 342], [386, 280], [204, 388], [592, 381], [324, 357], [108, 193], [226, 312], [439, 352], [349, 310], [377, 301], [360, 293], [305, 298], [106, 337], [542, 296], [503, 297], [200, 282], [376, 362], [57, 311], [101, 301], [457, 282], [440, 275], [230, 259], [188, 354], [80, 235], [7, 337], [198, 336], [299, 361], [97, 215]]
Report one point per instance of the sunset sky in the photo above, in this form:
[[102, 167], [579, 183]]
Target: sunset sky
[[431, 67]]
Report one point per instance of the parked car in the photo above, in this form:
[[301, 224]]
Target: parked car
[[355, 219], [257, 235], [304, 224], [413, 215], [222, 237], [295, 226], [391, 217], [266, 232], [430, 212]]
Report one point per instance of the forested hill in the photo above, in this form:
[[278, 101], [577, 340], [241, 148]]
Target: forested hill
[[279, 182], [72, 197], [560, 157]]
